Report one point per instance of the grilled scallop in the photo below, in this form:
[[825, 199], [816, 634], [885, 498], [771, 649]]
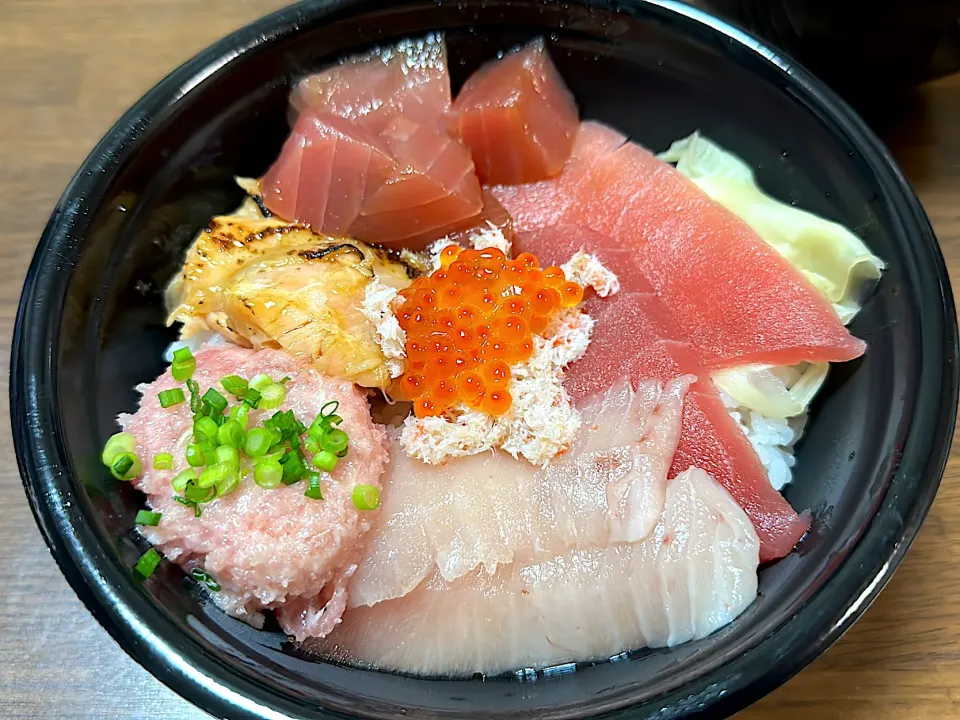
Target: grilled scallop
[[263, 282]]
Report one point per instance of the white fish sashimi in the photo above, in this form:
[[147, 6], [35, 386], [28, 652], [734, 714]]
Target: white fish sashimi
[[490, 509], [695, 573]]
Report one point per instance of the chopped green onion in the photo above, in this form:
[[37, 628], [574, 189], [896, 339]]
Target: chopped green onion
[[260, 381], [195, 455], [240, 414], [252, 399], [203, 576], [267, 473], [169, 398], [116, 445], [198, 494], [194, 389], [146, 517], [213, 475], [147, 563], [311, 445], [313, 491], [231, 483], [183, 479], [230, 434], [325, 461], [205, 429], [272, 396], [335, 441], [214, 400], [257, 442], [235, 385], [294, 467], [126, 466], [184, 363], [163, 461], [227, 455], [366, 497], [329, 408], [197, 512]]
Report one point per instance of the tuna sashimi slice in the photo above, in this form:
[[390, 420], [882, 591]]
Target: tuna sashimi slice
[[493, 215], [692, 575], [433, 191], [736, 297], [324, 171], [540, 204], [410, 78], [490, 509], [517, 117], [635, 336]]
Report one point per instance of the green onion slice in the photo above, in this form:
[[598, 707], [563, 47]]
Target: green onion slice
[[181, 480], [260, 381], [239, 414], [267, 473], [169, 398], [184, 363], [257, 442], [228, 456], [194, 389], [366, 497], [272, 396], [235, 385], [329, 408], [206, 578], [126, 466], [148, 517], [163, 461], [252, 399], [118, 444], [195, 455], [313, 491], [230, 434], [325, 461], [211, 476], [205, 429], [147, 563], [215, 401], [335, 441]]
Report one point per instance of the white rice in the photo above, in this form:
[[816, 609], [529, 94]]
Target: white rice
[[772, 438], [207, 337]]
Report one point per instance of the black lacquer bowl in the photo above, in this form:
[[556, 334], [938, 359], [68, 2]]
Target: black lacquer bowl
[[91, 326]]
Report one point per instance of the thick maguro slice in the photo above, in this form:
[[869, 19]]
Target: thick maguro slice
[[540, 204], [433, 191], [490, 509], [324, 171], [409, 79], [517, 117], [636, 337], [691, 576]]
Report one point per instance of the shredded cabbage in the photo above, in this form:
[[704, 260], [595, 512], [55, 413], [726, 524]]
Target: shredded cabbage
[[834, 259]]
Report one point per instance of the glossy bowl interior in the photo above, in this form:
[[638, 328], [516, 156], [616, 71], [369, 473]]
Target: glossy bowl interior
[[91, 327]]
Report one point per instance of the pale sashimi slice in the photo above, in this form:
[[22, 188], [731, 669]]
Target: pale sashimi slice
[[635, 336], [517, 117], [410, 79], [325, 169], [540, 204], [695, 573], [434, 189], [736, 297], [490, 509]]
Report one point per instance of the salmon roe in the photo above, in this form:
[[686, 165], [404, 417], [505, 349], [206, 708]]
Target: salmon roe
[[470, 320]]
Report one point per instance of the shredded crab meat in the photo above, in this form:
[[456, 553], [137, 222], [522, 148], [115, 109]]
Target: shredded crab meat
[[587, 270], [540, 424], [491, 237], [377, 307]]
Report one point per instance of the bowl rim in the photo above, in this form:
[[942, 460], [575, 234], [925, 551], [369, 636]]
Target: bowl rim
[[223, 692]]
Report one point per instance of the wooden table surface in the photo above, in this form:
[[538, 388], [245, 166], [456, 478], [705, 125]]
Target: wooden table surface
[[68, 69]]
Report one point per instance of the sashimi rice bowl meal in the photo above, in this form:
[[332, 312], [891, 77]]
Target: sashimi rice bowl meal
[[472, 385]]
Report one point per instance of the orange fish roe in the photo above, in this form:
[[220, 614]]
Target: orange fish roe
[[470, 320]]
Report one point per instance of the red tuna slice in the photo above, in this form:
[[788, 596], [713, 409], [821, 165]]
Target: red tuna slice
[[409, 78], [433, 192], [493, 214], [736, 297], [540, 204], [325, 168], [636, 336], [517, 117]]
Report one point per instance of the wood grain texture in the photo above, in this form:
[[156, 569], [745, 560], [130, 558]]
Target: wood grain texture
[[68, 69]]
